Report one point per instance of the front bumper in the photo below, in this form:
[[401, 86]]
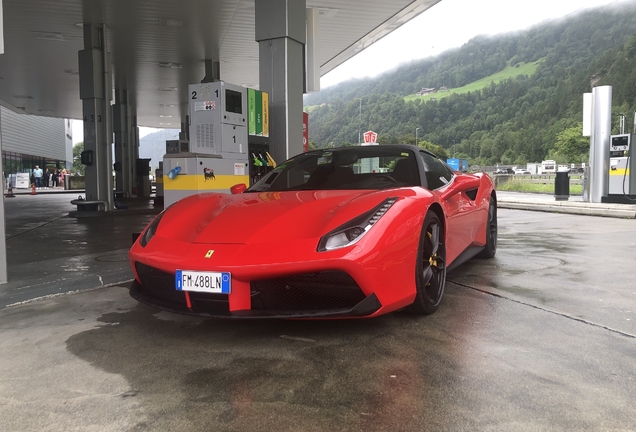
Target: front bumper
[[285, 277], [328, 294]]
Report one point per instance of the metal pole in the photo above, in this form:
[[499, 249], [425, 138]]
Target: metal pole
[[622, 123], [416, 129], [3, 230], [360, 122], [108, 125], [601, 130]]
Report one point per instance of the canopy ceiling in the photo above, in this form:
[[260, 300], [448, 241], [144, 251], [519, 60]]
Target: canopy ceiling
[[158, 47]]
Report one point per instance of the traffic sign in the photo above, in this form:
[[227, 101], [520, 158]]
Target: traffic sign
[[370, 137]]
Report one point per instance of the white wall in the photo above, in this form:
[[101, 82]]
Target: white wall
[[34, 135]]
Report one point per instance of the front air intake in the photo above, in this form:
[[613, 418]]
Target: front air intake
[[327, 290]]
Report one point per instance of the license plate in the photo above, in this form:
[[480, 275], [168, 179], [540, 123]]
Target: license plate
[[210, 282]]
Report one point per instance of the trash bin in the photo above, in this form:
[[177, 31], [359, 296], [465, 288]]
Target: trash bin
[[562, 186]]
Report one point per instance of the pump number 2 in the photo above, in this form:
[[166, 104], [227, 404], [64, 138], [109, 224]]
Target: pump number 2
[[195, 95]]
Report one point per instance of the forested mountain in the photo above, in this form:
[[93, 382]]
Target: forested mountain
[[520, 119]]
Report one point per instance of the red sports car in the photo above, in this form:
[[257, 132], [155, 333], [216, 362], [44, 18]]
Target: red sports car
[[348, 232]]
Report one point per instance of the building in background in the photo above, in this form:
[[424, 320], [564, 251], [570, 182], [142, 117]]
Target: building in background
[[29, 140]]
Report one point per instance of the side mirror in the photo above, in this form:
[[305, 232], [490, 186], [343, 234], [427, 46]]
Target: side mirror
[[238, 189], [462, 183]]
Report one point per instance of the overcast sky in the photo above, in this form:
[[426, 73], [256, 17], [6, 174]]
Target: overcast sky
[[450, 24]]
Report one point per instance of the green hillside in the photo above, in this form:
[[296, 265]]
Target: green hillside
[[513, 98], [509, 72]]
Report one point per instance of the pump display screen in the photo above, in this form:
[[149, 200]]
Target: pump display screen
[[233, 102], [620, 141]]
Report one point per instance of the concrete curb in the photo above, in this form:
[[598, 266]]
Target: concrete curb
[[605, 210], [115, 213]]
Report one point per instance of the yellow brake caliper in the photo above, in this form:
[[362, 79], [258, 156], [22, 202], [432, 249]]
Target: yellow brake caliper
[[432, 261]]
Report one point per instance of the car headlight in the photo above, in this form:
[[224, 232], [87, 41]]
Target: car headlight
[[352, 231], [151, 230]]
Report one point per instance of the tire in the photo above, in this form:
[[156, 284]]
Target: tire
[[491, 231], [430, 268]]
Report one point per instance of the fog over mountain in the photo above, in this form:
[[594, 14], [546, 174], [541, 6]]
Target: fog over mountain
[[499, 99]]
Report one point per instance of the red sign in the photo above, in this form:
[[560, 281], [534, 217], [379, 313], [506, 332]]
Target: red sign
[[305, 132], [370, 137]]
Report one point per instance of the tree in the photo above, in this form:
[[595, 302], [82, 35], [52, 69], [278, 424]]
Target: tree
[[77, 163], [571, 146], [437, 150]]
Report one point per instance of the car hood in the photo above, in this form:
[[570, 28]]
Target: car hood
[[267, 216]]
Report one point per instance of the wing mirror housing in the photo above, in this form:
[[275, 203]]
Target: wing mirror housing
[[238, 188], [462, 183]]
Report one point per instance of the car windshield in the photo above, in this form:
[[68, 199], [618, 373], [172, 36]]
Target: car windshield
[[365, 167]]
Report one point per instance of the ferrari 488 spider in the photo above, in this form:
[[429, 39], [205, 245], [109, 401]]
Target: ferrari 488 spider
[[348, 232]]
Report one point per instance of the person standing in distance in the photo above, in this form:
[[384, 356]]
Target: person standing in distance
[[46, 178], [37, 173]]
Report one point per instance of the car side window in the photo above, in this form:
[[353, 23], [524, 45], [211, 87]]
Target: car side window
[[438, 174]]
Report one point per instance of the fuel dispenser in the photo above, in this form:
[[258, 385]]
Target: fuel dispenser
[[143, 178], [218, 153], [621, 177], [260, 161], [622, 183], [159, 185]]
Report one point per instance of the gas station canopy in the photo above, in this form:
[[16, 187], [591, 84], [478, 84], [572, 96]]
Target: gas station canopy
[[158, 47]]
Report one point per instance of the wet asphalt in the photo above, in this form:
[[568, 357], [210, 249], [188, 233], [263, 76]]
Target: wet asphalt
[[50, 253], [540, 338]]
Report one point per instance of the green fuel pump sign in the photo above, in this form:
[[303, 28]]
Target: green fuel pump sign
[[258, 113], [251, 109]]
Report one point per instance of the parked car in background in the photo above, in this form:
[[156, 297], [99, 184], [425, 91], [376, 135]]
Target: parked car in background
[[522, 171], [504, 171], [576, 170]]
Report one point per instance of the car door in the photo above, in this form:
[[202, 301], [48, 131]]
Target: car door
[[457, 205]]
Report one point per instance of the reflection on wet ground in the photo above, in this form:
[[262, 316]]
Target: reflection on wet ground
[[539, 338], [480, 363], [49, 253], [42, 221], [580, 266]]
